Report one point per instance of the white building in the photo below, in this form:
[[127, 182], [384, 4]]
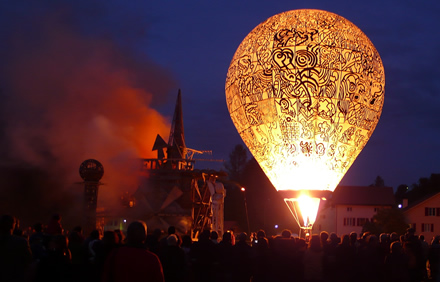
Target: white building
[[350, 207], [424, 215]]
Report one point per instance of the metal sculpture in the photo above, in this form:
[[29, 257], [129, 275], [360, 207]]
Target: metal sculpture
[[91, 171], [305, 90]]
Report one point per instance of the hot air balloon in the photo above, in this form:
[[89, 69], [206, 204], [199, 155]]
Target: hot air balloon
[[305, 90]]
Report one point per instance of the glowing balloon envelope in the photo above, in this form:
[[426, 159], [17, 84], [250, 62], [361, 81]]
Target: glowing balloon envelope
[[305, 90]]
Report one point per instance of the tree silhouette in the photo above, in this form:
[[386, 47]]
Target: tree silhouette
[[378, 182], [425, 186], [387, 221], [237, 162]]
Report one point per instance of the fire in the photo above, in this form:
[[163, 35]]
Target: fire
[[308, 208]]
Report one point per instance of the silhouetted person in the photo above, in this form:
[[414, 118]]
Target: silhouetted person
[[102, 249], [226, 255], [17, 230], [214, 237], [36, 242], [121, 236], [133, 262], [78, 252], [371, 259], [171, 230], [346, 260], [283, 255], [329, 248], [15, 253], [413, 248], [261, 268], [94, 236], [186, 247], [204, 258], [54, 227], [434, 258], [313, 260], [243, 259], [396, 264], [425, 250], [153, 241], [173, 260], [56, 265]]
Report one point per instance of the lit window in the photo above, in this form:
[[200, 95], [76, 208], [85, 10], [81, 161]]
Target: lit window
[[427, 227], [349, 221], [430, 211]]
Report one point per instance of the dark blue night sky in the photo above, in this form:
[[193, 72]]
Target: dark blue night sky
[[163, 46]]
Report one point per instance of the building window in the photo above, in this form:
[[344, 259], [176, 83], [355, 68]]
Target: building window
[[349, 209], [349, 221], [375, 209], [427, 227], [432, 211]]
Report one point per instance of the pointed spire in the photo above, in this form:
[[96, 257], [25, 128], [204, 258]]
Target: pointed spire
[[176, 142]]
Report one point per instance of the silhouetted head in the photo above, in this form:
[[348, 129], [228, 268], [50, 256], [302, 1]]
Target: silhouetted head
[[136, 233], [213, 235], [394, 237], [286, 233], [242, 237], [110, 238], [334, 238], [396, 248], [261, 234], [315, 243], [120, 235], [204, 235], [324, 236], [383, 237], [345, 240], [372, 240], [171, 230], [353, 237], [95, 234], [227, 237], [301, 244]]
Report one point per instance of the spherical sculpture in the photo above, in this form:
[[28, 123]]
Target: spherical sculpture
[[305, 90], [91, 170]]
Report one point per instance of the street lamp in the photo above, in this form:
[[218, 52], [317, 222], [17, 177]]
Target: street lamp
[[245, 205]]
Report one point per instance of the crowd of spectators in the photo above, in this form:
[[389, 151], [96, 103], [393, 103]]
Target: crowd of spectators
[[51, 254]]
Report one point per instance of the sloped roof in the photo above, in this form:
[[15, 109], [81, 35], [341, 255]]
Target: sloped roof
[[159, 143], [420, 201], [363, 195]]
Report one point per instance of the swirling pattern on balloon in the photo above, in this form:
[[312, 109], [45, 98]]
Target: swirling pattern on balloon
[[310, 85]]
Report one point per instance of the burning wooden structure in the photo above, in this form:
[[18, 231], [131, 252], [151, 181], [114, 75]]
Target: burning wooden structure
[[171, 191]]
